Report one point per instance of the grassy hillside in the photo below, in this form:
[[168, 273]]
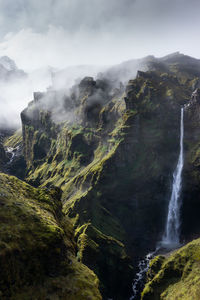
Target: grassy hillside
[[175, 277], [37, 248]]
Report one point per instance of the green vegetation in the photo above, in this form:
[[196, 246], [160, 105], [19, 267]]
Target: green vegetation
[[176, 276], [14, 140], [37, 251]]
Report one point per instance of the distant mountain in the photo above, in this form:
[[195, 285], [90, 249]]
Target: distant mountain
[[8, 63], [9, 70], [175, 62]]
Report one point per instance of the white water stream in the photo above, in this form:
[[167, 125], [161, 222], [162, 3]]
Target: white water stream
[[11, 153], [140, 276]]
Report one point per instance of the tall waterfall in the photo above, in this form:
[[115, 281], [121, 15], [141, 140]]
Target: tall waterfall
[[171, 236]]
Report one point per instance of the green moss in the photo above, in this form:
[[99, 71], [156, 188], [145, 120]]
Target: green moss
[[14, 140], [177, 276], [37, 250], [60, 160]]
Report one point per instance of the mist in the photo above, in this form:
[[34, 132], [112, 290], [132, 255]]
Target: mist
[[19, 91], [81, 39], [62, 33]]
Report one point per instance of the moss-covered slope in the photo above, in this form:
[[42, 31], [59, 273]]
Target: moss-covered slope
[[175, 277], [37, 249]]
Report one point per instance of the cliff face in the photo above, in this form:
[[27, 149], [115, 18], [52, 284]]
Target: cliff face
[[3, 157], [177, 276], [191, 175], [68, 154], [112, 151]]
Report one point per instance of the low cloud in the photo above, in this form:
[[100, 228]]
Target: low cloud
[[62, 33], [16, 94], [91, 33]]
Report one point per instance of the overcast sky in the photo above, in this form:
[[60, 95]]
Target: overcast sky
[[69, 32]]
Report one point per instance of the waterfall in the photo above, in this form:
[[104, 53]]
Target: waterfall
[[12, 153], [171, 236]]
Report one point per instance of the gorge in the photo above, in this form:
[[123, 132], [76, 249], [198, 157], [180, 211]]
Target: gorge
[[87, 189]]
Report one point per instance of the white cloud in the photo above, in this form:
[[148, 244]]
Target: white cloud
[[62, 33]]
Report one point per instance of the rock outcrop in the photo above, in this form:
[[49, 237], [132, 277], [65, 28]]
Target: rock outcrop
[[3, 157]]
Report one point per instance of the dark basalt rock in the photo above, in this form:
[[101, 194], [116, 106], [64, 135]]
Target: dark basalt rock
[[191, 173], [87, 86], [131, 91], [3, 157]]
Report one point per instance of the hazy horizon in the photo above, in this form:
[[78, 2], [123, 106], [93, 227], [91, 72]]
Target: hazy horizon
[[65, 33]]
